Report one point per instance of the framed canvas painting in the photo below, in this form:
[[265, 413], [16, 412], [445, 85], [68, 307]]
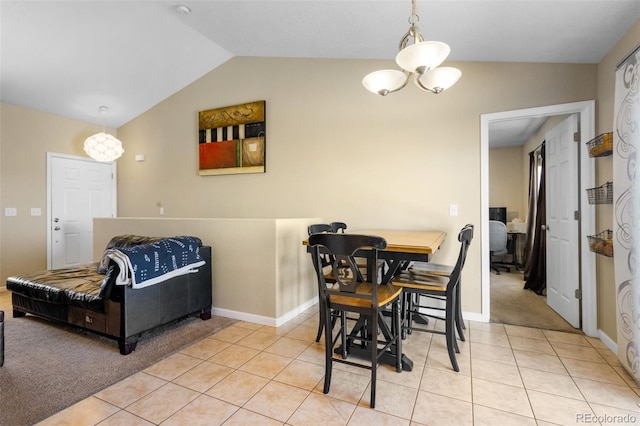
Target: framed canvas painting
[[231, 140]]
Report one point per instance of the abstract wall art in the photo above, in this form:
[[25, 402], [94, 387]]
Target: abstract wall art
[[231, 140]]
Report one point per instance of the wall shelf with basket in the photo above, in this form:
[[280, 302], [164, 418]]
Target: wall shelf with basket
[[601, 146], [602, 194], [602, 243]]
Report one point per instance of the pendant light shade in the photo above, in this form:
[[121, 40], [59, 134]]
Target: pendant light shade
[[438, 79], [423, 56], [385, 81], [102, 146]]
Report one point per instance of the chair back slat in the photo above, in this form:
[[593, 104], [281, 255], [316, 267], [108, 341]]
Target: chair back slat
[[344, 270], [342, 248], [464, 236], [319, 228]]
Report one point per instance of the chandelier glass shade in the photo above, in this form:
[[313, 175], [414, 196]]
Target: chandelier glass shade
[[438, 79], [102, 146], [422, 56], [385, 81], [419, 60]]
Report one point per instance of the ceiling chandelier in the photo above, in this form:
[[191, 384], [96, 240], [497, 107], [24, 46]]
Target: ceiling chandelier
[[420, 60], [102, 146]]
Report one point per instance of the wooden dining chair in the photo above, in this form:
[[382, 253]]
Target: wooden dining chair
[[444, 287], [338, 227], [350, 294], [333, 227], [432, 268], [318, 228]]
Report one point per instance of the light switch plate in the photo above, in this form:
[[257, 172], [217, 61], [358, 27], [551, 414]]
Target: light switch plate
[[10, 211], [36, 211], [453, 210]]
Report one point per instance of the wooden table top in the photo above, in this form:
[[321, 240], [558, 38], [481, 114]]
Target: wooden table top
[[420, 242], [423, 242]]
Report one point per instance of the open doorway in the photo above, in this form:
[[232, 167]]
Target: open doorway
[[586, 113], [518, 285]]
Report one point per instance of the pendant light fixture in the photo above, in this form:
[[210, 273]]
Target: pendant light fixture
[[419, 60], [102, 146]]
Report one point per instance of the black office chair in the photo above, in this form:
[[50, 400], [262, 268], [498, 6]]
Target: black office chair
[[350, 294], [497, 245], [446, 288]]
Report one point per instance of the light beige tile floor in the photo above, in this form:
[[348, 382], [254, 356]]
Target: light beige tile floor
[[251, 374]]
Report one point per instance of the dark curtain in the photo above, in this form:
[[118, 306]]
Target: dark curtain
[[535, 269]]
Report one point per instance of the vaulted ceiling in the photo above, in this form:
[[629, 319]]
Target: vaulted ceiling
[[70, 57]]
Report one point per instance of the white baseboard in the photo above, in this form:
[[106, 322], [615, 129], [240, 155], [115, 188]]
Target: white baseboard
[[293, 313], [259, 319], [608, 342], [474, 316], [244, 316]]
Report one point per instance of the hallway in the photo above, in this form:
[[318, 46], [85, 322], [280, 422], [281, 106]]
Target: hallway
[[512, 304]]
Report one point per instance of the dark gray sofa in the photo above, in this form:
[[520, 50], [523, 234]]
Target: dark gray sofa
[[88, 297]]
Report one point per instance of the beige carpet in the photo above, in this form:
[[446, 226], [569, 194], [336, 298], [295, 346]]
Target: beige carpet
[[49, 367], [512, 304]]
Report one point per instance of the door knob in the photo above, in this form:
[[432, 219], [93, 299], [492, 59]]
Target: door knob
[[56, 219], [545, 228], [57, 228]]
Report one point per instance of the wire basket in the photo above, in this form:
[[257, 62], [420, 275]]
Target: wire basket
[[602, 243], [601, 145], [602, 194]]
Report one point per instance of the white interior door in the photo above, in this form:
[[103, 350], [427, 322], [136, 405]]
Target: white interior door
[[562, 224], [80, 189]]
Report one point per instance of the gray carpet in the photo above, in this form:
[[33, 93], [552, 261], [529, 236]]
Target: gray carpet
[[512, 304], [49, 367]]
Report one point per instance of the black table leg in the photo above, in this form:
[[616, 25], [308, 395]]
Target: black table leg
[[359, 332]]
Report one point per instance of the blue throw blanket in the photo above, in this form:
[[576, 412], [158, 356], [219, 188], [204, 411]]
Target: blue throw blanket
[[148, 264]]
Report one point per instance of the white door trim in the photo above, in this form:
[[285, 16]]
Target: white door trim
[[586, 111], [50, 156]]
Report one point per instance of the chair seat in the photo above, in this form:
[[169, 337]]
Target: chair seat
[[431, 268], [421, 281], [386, 295]]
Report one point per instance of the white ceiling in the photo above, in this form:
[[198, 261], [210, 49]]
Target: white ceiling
[[70, 57]]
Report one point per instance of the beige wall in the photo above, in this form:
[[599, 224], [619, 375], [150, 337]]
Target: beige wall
[[25, 138], [604, 172], [260, 270], [505, 181], [336, 151], [333, 150]]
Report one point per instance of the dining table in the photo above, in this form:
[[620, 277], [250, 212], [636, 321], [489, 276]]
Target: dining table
[[403, 247]]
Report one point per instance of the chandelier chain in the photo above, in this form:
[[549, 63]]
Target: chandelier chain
[[414, 18]]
